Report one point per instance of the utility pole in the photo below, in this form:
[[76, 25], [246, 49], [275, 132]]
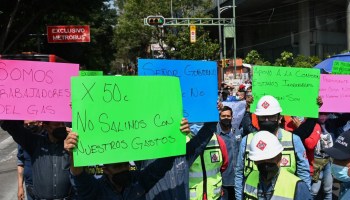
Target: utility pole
[[220, 35], [234, 36]]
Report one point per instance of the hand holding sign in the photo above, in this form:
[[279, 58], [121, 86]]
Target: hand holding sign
[[118, 122]]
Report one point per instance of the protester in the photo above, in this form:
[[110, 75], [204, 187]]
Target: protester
[[269, 111], [24, 166], [120, 183], [224, 129], [175, 183], [205, 179], [50, 162], [271, 181], [340, 152]]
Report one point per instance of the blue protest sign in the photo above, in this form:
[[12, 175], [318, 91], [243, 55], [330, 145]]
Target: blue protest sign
[[198, 81]]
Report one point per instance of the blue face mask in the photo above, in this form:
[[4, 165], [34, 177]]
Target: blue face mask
[[340, 173]]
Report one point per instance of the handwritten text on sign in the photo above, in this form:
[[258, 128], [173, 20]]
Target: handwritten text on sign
[[198, 85], [35, 90], [90, 73], [335, 93], [296, 89], [118, 122], [340, 67]]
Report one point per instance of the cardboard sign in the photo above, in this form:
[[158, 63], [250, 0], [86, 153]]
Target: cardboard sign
[[335, 93], [340, 67], [118, 122], [90, 73], [296, 89], [36, 90], [198, 85], [68, 34]]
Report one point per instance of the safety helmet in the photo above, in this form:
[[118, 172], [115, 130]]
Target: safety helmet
[[264, 146], [267, 105]]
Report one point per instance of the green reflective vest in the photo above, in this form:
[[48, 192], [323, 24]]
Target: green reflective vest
[[205, 175], [288, 160], [285, 186]]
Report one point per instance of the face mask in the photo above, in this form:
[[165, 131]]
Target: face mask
[[122, 179], [238, 98], [225, 122], [268, 170], [60, 133], [340, 173], [268, 126], [33, 128]]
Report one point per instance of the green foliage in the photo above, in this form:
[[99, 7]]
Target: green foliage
[[306, 61], [133, 38], [254, 58], [286, 59]]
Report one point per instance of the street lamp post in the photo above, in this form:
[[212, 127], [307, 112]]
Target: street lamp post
[[220, 35], [234, 36]]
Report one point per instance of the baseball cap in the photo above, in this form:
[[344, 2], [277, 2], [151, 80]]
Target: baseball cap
[[341, 147]]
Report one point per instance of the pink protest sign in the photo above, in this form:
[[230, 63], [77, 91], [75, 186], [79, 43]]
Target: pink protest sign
[[335, 93], [36, 90]]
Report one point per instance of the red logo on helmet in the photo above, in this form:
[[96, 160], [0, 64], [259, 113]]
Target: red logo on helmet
[[284, 161], [261, 145], [265, 105]]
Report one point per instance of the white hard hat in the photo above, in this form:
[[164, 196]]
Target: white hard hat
[[264, 146], [268, 105]]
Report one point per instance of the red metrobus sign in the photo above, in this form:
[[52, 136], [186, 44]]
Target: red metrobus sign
[[68, 34]]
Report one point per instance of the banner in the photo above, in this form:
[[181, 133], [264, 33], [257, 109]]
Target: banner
[[90, 73], [120, 119], [296, 89], [335, 93], [68, 34], [199, 84], [35, 90], [340, 67]]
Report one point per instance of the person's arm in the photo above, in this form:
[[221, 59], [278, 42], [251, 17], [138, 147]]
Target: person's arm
[[302, 192], [69, 144], [239, 173], [20, 172], [306, 128], [224, 153], [247, 124], [20, 193], [311, 141], [198, 143], [21, 135], [303, 167]]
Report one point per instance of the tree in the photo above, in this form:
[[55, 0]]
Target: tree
[[254, 58], [21, 18], [134, 38], [286, 59]]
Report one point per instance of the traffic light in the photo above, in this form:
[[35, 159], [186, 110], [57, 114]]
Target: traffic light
[[155, 20], [227, 63]]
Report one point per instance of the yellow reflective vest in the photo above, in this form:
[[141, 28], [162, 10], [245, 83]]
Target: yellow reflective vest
[[288, 161], [205, 175], [285, 186]]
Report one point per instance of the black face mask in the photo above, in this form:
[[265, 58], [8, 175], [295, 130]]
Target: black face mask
[[225, 122], [60, 133], [268, 126], [268, 170], [34, 129], [122, 179]]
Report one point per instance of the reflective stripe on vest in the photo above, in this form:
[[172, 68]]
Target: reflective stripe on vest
[[282, 191], [212, 157], [288, 160]]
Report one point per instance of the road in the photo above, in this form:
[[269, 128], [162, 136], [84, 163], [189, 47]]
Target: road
[[8, 171]]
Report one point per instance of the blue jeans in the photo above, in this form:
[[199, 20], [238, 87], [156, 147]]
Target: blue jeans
[[327, 180]]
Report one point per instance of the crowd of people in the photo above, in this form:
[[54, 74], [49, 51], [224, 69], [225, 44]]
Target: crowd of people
[[266, 156]]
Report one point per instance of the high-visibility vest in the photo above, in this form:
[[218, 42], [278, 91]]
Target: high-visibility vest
[[288, 160], [285, 186], [205, 176]]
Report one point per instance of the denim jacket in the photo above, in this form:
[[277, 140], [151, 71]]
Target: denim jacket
[[303, 169]]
